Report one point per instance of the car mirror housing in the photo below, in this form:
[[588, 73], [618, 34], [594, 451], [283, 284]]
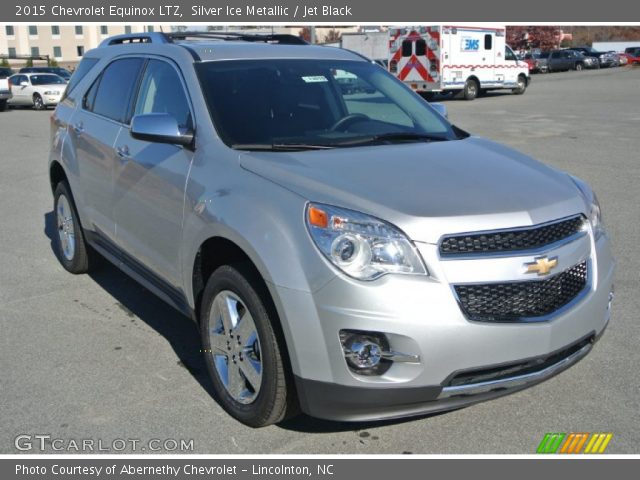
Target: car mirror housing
[[159, 128]]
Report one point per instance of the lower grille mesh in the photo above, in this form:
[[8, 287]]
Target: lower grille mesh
[[513, 301]]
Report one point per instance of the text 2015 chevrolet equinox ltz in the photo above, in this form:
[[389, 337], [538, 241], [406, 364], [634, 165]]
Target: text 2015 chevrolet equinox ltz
[[343, 247]]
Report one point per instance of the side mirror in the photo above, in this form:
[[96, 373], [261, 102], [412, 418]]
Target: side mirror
[[159, 128], [441, 109], [24, 84]]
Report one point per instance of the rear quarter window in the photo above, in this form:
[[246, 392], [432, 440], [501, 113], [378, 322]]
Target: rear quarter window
[[84, 67]]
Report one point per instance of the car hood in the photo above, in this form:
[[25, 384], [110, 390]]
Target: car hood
[[427, 189]]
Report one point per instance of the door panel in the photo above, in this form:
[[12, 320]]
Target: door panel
[[150, 178]]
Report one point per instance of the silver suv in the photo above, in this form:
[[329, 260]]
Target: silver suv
[[344, 249]]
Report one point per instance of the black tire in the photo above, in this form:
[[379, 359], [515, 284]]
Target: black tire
[[276, 398], [38, 103], [579, 67], [84, 258], [522, 86], [428, 96], [3, 105], [471, 89]]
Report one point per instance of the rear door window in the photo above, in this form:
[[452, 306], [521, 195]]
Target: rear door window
[[116, 89]]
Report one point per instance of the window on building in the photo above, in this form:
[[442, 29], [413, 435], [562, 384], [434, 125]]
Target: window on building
[[79, 30], [55, 30], [104, 30], [10, 31], [57, 52], [12, 52], [33, 30], [149, 28], [80, 50], [127, 29], [35, 51]]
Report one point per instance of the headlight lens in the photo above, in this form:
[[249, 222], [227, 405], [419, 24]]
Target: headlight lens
[[595, 214], [361, 246]]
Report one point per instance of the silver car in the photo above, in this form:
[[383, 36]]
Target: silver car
[[347, 253]]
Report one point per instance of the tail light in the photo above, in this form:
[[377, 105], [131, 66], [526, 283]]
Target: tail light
[[393, 66]]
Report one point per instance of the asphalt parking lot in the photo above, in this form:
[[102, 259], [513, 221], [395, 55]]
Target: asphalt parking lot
[[98, 357]]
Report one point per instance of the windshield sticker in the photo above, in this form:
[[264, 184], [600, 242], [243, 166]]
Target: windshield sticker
[[314, 79]]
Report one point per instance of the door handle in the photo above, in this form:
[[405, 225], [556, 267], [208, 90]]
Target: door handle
[[123, 152], [78, 128]]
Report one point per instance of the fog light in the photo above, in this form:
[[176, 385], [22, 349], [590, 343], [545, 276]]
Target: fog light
[[364, 352]]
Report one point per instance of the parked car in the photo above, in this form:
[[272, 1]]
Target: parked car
[[605, 59], [563, 60], [537, 61], [39, 90], [61, 72], [623, 59], [633, 55], [331, 246], [5, 87]]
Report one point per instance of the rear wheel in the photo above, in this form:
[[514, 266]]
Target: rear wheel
[[38, 103], [3, 105], [428, 96], [69, 242], [522, 86], [579, 67], [241, 348]]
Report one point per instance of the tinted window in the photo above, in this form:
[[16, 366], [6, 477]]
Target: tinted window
[[407, 48], [117, 84], [47, 79], [161, 92], [421, 47], [319, 102], [83, 68], [5, 72], [509, 55], [488, 41]]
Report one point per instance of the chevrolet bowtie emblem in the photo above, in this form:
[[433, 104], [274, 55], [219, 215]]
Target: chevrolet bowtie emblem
[[542, 265]]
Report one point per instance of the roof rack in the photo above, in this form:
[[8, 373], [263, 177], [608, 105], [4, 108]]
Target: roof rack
[[147, 37], [159, 37], [278, 38]]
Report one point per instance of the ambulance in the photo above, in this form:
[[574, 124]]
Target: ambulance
[[460, 59]]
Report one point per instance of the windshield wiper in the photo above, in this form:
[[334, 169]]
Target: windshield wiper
[[280, 147], [391, 137]]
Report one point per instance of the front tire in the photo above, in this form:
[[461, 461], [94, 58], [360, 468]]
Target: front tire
[[522, 86], [242, 351], [75, 255], [38, 103], [579, 67], [471, 89]]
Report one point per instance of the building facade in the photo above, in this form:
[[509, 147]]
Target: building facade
[[64, 43]]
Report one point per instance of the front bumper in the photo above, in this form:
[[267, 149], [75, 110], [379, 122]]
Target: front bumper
[[420, 316]]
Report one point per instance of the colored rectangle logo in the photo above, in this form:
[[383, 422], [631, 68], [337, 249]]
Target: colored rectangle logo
[[574, 443]]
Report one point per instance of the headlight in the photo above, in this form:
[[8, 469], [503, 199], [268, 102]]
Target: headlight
[[595, 214], [361, 246]]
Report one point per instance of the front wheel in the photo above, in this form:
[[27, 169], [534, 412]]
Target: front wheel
[[242, 352], [38, 103], [471, 89], [522, 86], [579, 67]]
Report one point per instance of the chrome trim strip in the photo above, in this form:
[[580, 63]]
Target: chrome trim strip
[[512, 253], [517, 381]]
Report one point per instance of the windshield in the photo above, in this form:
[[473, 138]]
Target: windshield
[[262, 104], [46, 79]]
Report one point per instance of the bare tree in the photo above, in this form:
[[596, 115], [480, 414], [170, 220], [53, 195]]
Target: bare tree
[[332, 36]]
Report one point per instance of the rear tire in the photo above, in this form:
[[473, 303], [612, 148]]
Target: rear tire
[[242, 351], [38, 103], [3, 105], [428, 96], [579, 67], [75, 255]]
